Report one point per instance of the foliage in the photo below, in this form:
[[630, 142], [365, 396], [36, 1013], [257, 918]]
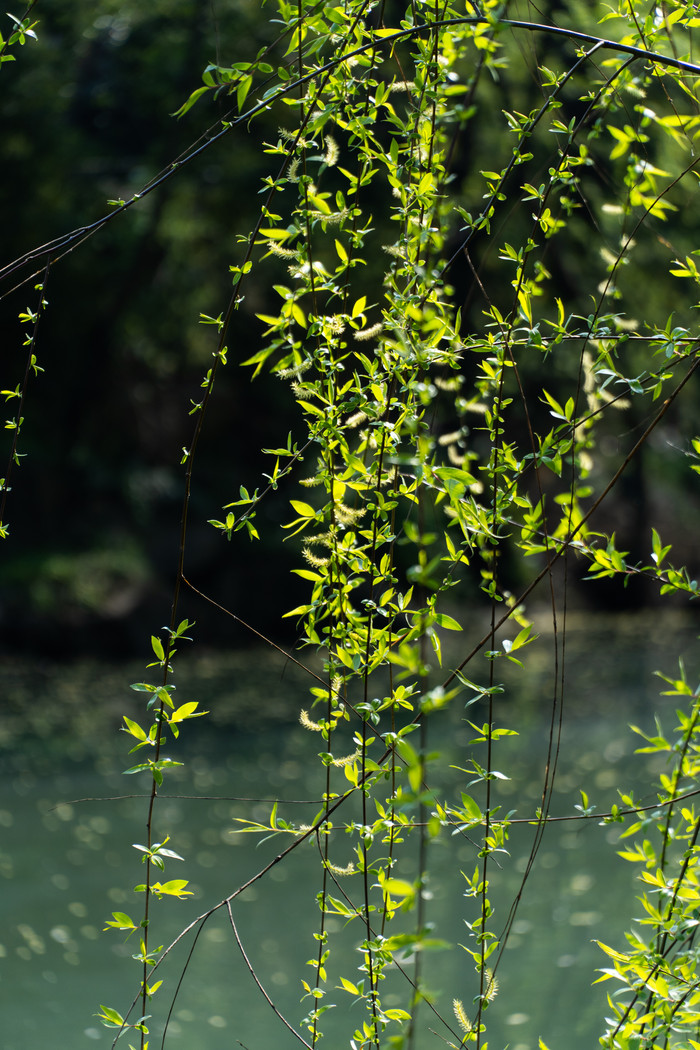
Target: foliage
[[659, 971], [470, 382], [23, 29]]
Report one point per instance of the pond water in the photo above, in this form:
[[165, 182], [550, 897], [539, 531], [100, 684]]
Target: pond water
[[66, 864]]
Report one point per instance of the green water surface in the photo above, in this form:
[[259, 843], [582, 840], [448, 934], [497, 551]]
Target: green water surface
[[65, 865]]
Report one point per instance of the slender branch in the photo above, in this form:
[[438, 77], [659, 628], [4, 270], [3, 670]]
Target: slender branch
[[255, 977], [61, 246]]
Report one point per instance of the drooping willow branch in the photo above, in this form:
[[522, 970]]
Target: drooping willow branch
[[57, 248]]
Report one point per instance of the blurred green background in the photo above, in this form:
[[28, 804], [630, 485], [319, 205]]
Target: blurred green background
[[94, 511]]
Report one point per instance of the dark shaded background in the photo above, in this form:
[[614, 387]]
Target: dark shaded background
[[94, 511]]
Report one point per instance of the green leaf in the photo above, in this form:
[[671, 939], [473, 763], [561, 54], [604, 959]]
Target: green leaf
[[618, 956], [121, 921], [134, 729], [399, 888], [186, 106], [185, 711], [242, 91], [173, 888], [305, 510], [397, 1015], [471, 809], [110, 1017], [306, 574]]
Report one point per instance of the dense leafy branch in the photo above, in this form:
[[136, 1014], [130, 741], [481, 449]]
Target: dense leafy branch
[[450, 415]]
